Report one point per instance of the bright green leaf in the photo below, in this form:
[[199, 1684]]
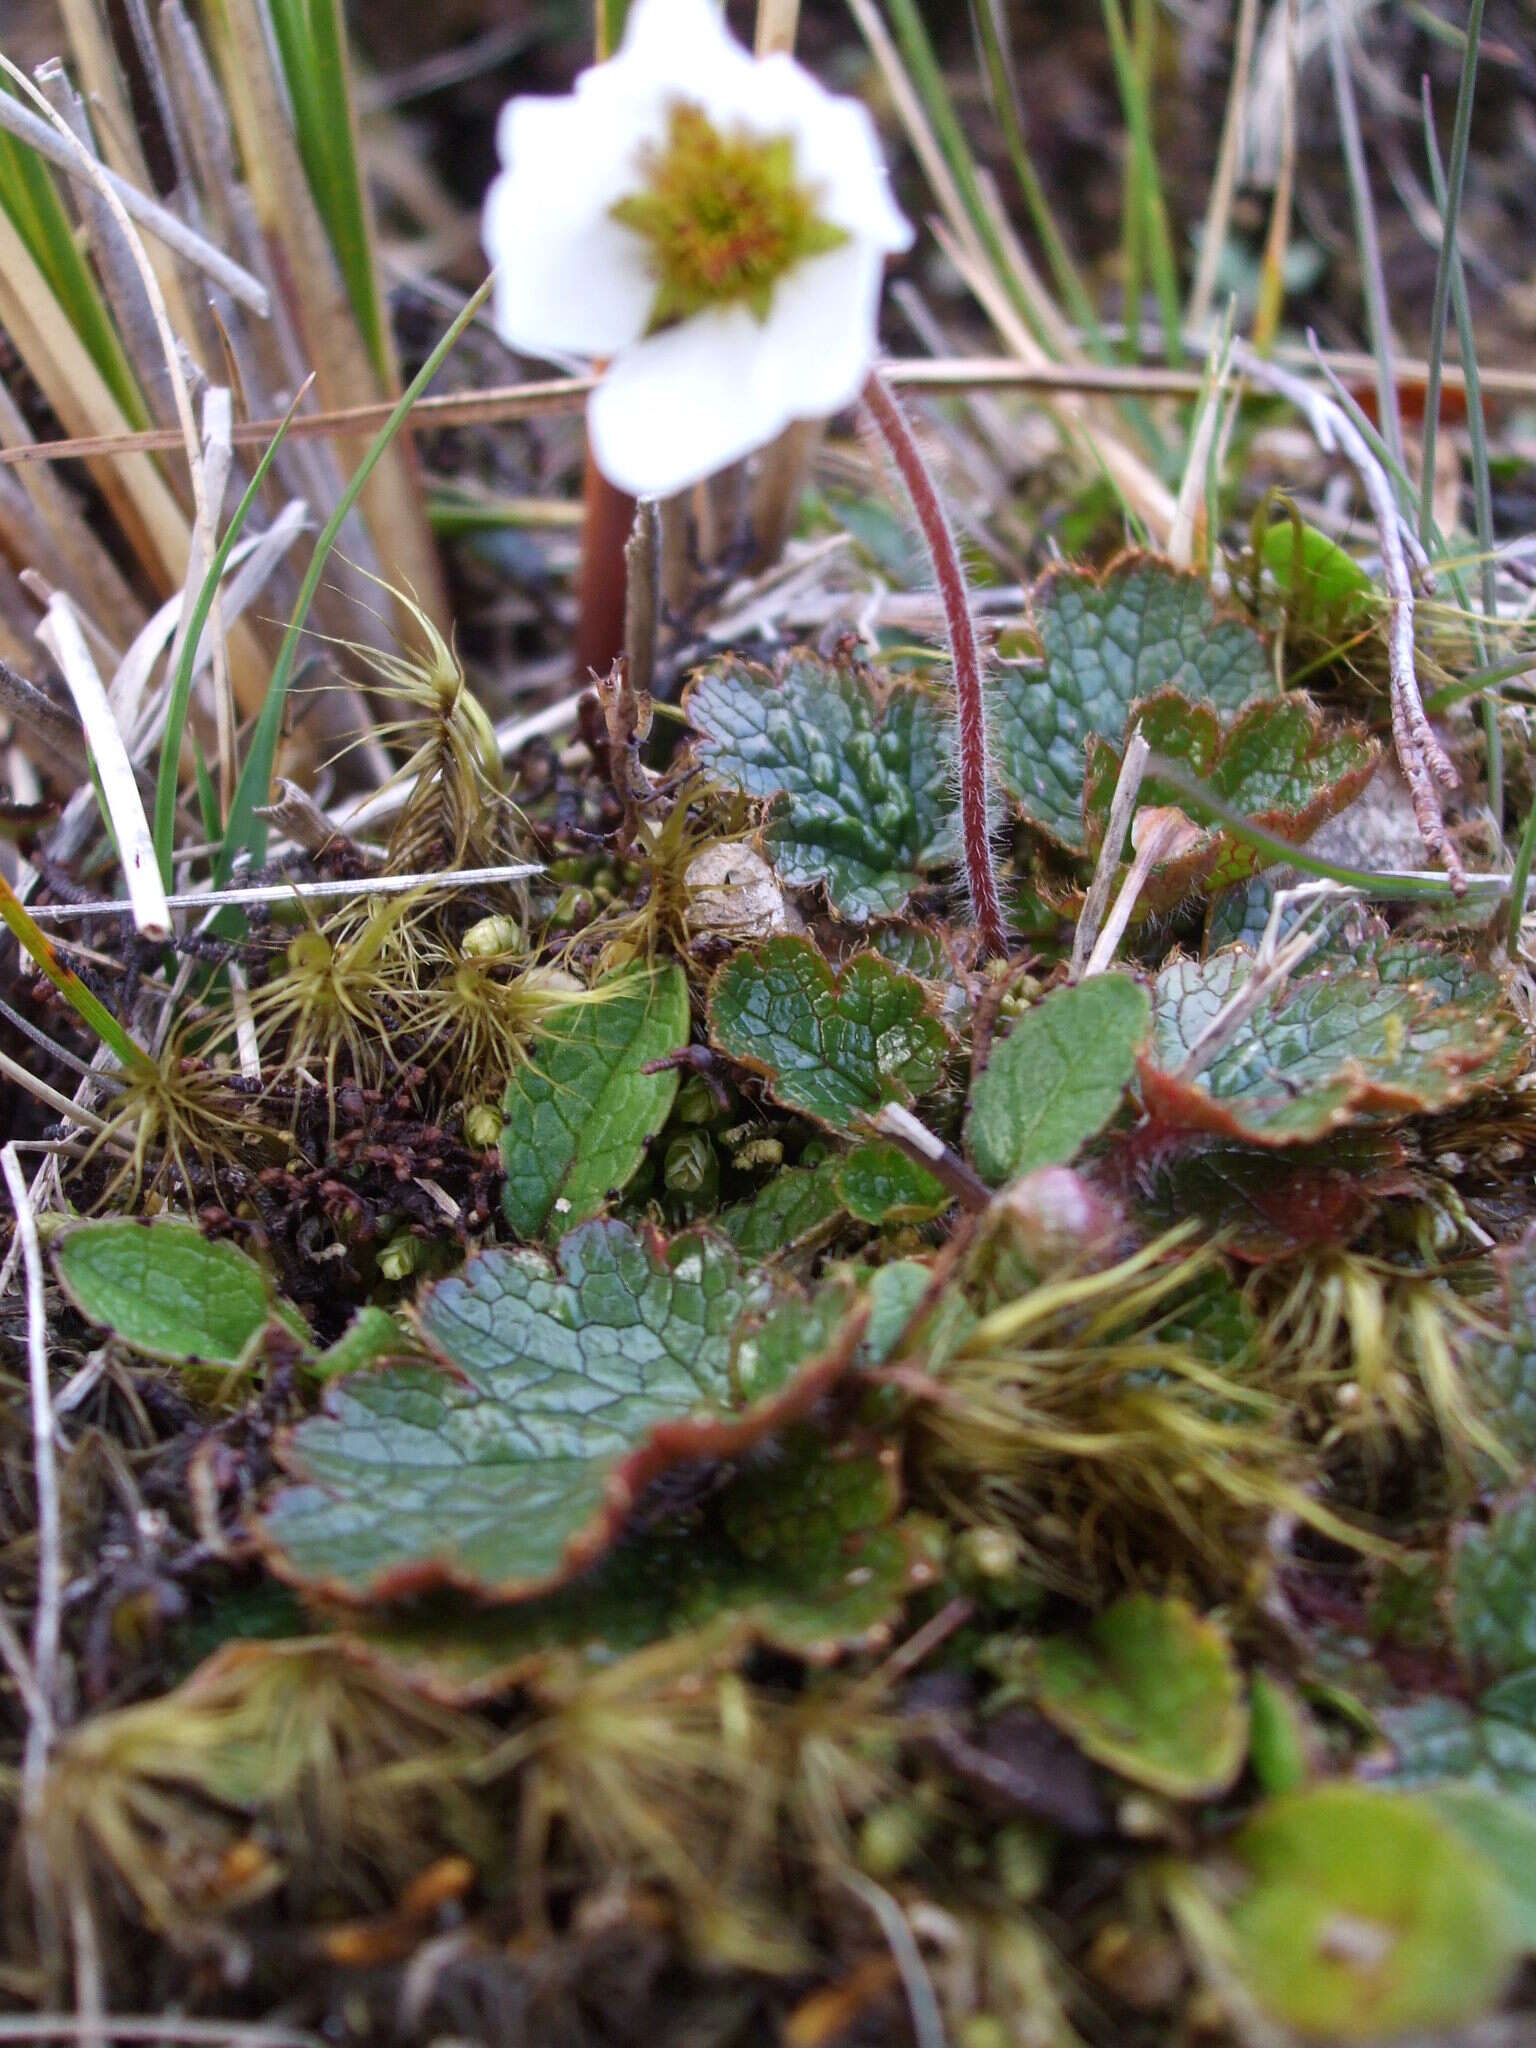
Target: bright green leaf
[[1324, 586], [562, 1392], [167, 1291], [835, 1047], [1058, 1077], [1151, 1690], [1365, 1916], [579, 1114], [862, 765]]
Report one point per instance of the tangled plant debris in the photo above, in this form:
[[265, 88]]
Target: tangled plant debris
[[835, 1339]]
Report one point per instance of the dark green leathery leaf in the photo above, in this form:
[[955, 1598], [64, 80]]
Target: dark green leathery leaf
[[1107, 642], [1058, 1077], [798, 1207], [802, 1553], [835, 1047], [1397, 1032], [1362, 1915], [1151, 1690], [1277, 762], [878, 1183], [169, 1292], [579, 1114], [1493, 1590], [860, 767], [559, 1392]]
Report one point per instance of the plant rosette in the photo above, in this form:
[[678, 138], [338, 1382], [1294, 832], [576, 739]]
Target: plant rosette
[[711, 225]]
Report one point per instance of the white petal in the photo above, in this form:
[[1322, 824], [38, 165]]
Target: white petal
[[837, 150], [822, 329], [685, 402], [685, 45], [568, 275]]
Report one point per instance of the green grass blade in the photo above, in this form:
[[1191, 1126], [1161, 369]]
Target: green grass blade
[[168, 778], [31, 198], [88, 1008], [1447, 199], [245, 831], [1450, 215], [1198, 800], [927, 77], [1147, 226], [311, 42], [1002, 92], [1368, 243]]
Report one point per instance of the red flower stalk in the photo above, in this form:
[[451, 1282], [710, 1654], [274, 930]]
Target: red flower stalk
[[971, 724]]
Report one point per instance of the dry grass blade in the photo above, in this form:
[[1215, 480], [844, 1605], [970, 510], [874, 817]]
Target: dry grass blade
[[46, 1626], [149, 213], [1425, 764], [119, 786]]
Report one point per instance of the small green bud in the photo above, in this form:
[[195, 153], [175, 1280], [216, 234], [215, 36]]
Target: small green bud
[[696, 1102], [815, 1152], [984, 2030], [490, 936], [1021, 1855], [400, 1258], [890, 1837], [759, 1152], [574, 906], [482, 1126], [690, 1167]]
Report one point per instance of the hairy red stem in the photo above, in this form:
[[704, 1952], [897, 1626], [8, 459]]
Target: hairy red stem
[[971, 723]]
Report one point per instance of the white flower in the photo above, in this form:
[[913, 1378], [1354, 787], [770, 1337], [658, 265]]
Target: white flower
[[713, 224]]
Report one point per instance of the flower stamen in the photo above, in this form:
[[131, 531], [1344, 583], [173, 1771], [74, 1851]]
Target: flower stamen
[[723, 216]]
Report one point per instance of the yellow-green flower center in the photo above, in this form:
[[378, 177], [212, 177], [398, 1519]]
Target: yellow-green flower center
[[723, 217]]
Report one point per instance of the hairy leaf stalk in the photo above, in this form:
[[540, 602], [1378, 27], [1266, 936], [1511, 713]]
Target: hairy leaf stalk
[[971, 723]]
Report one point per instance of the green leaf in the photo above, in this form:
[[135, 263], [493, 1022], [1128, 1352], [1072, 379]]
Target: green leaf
[[1058, 1077], [895, 1292], [579, 1114], [1439, 1740], [1267, 1203], [1505, 1370], [1503, 1833], [563, 1391], [164, 1289], [799, 1206], [1493, 1590], [1277, 762], [802, 1554], [372, 1336], [833, 1047], [1376, 1036], [880, 1184], [1364, 1916], [1107, 643], [1151, 1690], [862, 765], [1323, 585]]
